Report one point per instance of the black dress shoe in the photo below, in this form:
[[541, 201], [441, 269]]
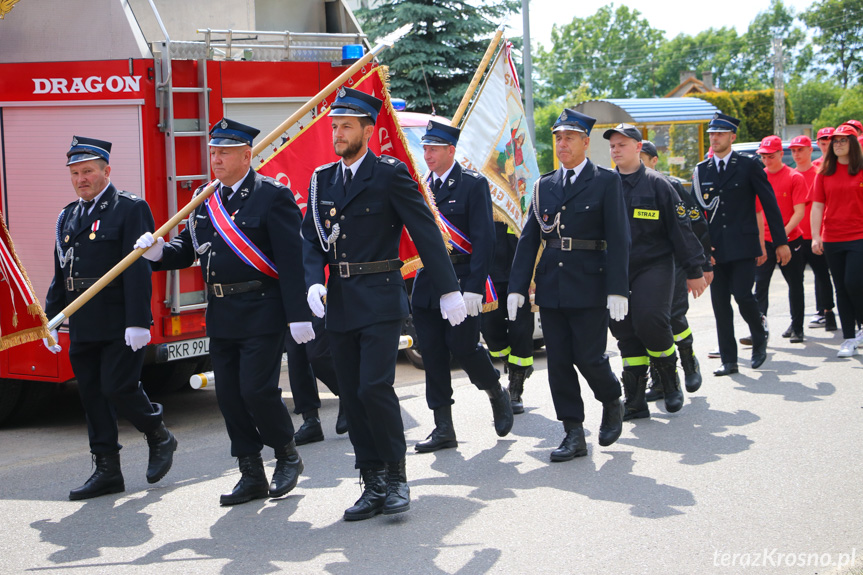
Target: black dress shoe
[[289, 465], [443, 435], [796, 337], [788, 332], [371, 502], [162, 444], [106, 479], [501, 409], [252, 483], [398, 498], [310, 431], [746, 340], [612, 422], [341, 421], [759, 355], [573, 444], [726, 369]]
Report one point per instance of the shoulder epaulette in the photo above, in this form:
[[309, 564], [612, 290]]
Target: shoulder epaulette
[[324, 167], [128, 195], [274, 182], [609, 170], [383, 159], [472, 173]]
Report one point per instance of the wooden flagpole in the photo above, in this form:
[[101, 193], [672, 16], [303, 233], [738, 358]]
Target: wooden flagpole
[[477, 76], [199, 199]]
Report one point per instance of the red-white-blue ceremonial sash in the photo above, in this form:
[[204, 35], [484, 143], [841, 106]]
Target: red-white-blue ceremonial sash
[[461, 243], [236, 239]]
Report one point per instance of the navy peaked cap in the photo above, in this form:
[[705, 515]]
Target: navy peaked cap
[[723, 123], [438, 134], [84, 149], [574, 121], [350, 102], [228, 133]]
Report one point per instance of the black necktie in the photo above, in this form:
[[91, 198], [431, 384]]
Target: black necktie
[[226, 191], [438, 184], [349, 176], [85, 208], [721, 166], [567, 178]]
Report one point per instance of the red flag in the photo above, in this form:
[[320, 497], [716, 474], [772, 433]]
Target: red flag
[[21, 317], [294, 163]]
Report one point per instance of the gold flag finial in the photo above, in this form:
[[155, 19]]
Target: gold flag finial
[[6, 7]]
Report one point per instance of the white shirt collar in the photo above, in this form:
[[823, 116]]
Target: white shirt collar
[[576, 169], [95, 200], [353, 167], [724, 158], [238, 183], [444, 175]]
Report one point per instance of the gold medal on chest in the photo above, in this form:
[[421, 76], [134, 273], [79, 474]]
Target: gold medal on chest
[[327, 224], [66, 239], [332, 212], [706, 196], [92, 235]]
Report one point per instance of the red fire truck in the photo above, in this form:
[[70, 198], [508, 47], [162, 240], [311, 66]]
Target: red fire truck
[[152, 81]]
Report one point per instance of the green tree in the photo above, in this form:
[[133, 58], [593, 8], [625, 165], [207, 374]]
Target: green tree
[[849, 107], [606, 51], [545, 116], [839, 35], [444, 47], [756, 65], [809, 98], [715, 50]]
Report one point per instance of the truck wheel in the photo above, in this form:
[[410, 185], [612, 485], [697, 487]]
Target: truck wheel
[[34, 396], [10, 392], [415, 357]]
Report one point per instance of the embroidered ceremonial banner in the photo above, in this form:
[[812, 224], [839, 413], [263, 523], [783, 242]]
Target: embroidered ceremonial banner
[[21, 317], [295, 161], [495, 141]]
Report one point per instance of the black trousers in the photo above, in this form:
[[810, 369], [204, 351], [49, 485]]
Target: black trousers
[[823, 283], [436, 339], [577, 338], [735, 278], [679, 308], [109, 374], [248, 392], [846, 266], [509, 339], [308, 362], [366, 370], [646, 329], [793, 274]]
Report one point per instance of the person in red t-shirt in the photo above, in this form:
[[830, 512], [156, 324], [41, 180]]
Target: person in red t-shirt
[[801, 151], [823, 140], [837, 229], [791, 195]]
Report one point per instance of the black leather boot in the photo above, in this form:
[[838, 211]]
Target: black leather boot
[[310, 431], [573, 444], [341, 420], [612, 422], [162, 444], [691, 368], [654, 388], [517, 375], [252, 483], [443, 434], [371, 502], [666, 369], [107, 478], [289, 465], [501, 409], [634, 386], [398, 499]]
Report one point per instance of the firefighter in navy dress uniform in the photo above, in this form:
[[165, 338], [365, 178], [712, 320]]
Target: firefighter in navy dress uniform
[[109, 333], [581, 279], [255, 292], [683, 338], [726, 186], [661, 234], [511, 341], [464, 201], [357, 210]]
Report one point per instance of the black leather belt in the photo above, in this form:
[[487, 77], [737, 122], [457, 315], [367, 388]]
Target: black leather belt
[[459, 258], [80, 284], [221, 290], [346, 270], [569, 244]]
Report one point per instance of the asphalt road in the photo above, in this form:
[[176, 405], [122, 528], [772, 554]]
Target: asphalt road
[[759, 472]]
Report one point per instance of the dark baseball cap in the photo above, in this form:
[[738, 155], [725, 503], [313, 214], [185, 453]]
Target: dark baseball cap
[[627, 130], [649, 148]]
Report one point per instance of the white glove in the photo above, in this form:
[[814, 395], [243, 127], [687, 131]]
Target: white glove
[[302, 331], [618, 306], [473, 303], [315, 298], [153, 246], [52, 348], [513, 302], [452, 307], [137, 337]]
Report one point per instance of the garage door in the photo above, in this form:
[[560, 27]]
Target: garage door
[[36, 181]]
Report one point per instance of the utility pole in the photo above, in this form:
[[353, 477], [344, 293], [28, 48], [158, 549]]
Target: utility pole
[[528, 69], [778, 90]]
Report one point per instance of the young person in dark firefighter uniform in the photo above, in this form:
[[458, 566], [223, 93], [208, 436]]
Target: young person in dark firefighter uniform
[[581, 279], [511, 341], [680, 300], [464, 201], [659, 223]]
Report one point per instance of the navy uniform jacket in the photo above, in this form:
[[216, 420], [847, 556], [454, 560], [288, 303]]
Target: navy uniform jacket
[[383, 199], [267, 214], [696, 220], [465, 200], [593, 210], [659, 222], [505, 242], [733, 227], [122, 218]]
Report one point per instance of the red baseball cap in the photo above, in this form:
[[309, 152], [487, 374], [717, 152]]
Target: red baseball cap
[[769, 145], [844, 130], [825, 133], [856, 124], [800, 142]]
